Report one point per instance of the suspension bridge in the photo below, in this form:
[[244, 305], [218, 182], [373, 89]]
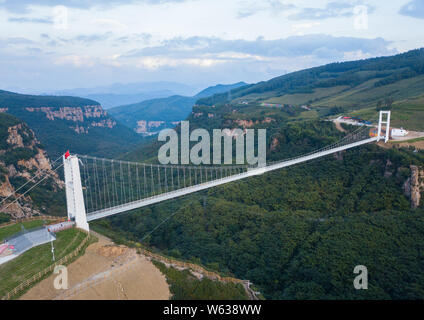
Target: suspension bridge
[[97, 188]]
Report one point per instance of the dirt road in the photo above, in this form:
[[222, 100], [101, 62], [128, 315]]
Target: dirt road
[[339, 126]]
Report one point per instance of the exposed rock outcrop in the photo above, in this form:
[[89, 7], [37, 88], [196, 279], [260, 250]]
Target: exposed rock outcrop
[[274, 144], [144, 126], [85, 117], [21, 160], [251, 123], [414, 186]]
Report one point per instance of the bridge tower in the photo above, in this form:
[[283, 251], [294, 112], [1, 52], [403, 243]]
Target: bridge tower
[[381, 122], [74, 195]]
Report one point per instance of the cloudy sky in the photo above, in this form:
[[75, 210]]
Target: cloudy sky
[[59, 44]]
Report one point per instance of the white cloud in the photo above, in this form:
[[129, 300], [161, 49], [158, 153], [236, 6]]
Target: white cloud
[[302, 28], [25, 5], [110, 24], [153, 63], [253, 7], [75, 60], [356, 55], [332, 9]]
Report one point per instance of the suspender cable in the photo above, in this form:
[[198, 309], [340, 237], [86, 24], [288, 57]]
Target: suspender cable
[[178, 172], [114, 191], [144, 180], [166, 181], [86, 182], [130, 191], [106, 184], [160, 187], [95, 183], [138, 182], [151, 171], [201, 176], [184, 178], [121, 179]]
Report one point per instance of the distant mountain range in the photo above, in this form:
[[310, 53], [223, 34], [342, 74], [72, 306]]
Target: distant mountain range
[[152, 115], [118, 94]]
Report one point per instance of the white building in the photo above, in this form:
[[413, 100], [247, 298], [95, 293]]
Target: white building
[[399, 132]]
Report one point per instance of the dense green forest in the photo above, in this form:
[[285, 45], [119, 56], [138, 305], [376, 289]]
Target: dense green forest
[[301, 236]]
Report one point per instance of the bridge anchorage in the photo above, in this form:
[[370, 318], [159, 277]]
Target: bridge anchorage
[[101, 188]]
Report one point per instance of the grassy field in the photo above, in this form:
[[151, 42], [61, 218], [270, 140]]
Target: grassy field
[[8, 231], [307, 98], [408, 141], [409, 114], [37, 259], [364, 95]]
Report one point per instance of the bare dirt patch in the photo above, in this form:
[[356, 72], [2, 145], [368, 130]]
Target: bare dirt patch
[[339, 126], [107, 272], [418, 144]]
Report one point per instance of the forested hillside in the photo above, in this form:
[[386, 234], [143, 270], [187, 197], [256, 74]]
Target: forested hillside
[[298, 233], [62, 123], [349, 85]]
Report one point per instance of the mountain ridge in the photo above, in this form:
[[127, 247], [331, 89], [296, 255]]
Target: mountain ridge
[[74, 123], [118, 94], [337, 84], [155, 114]]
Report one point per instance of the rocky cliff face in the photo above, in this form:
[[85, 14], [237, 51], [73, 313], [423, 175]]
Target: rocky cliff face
[[152, 127], [84, 117], [22, 158], [414, 186]]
